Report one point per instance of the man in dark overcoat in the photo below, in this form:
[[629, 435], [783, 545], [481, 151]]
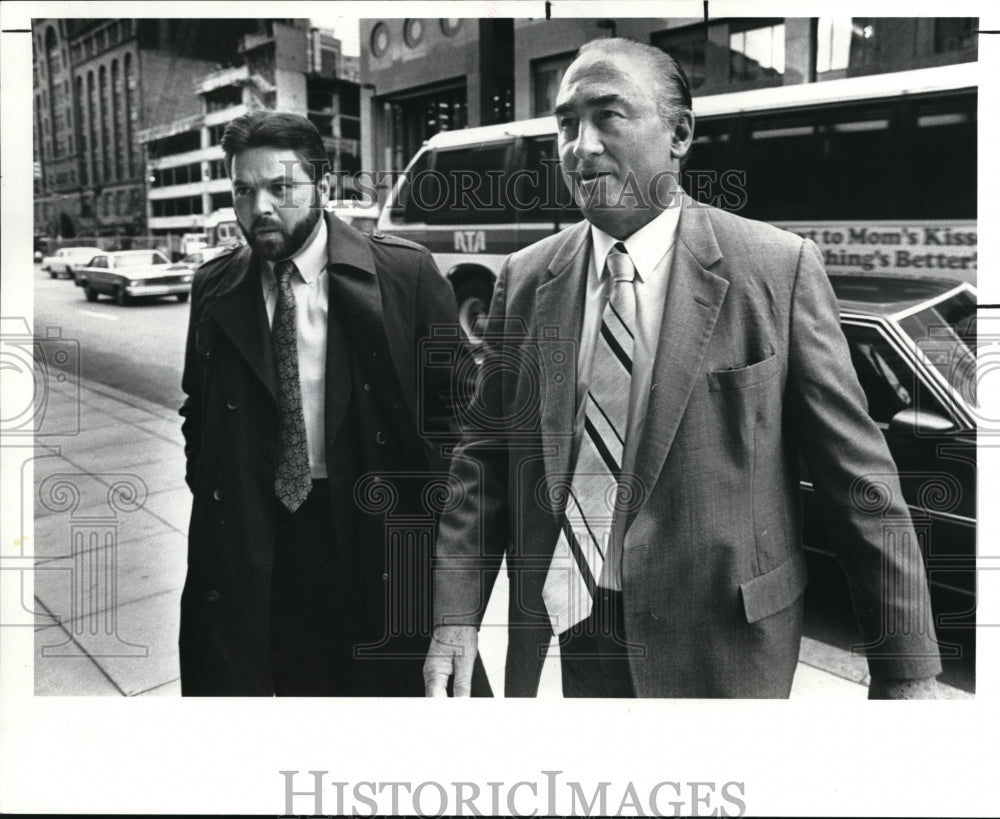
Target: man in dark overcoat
[[313, 437]]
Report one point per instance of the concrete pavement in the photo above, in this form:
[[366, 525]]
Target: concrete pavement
[[110, 520]]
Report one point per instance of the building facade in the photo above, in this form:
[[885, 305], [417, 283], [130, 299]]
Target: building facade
[[97, 83], [285, 66], [424, 76]]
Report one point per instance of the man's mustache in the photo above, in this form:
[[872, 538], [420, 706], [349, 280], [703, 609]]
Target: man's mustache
[[264, 224]]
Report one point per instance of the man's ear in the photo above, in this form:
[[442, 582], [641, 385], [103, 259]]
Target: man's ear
[[323, 188], [683, 134]]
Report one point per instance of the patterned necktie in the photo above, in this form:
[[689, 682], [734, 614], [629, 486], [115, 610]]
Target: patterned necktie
[[292, 480], [578, 559]]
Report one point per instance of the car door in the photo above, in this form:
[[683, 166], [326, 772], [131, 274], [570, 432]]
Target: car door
[[97, 276], [935, 452]]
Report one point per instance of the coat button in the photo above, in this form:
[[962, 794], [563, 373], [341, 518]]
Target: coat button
[[212, 596], [385, 576], [380, 438], [217, 494], [368, 388], [232, 404]]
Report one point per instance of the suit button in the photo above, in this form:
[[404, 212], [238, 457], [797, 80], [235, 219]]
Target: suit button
[[232, 404], [212, 596], [368, 388], [380, 438], [385, 576], [217, 494]]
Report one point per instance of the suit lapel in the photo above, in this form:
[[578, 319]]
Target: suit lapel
[[559, 304], [240, 313], [694, 298]]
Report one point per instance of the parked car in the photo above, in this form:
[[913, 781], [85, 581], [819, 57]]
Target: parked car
[[129, 274], [913, 345], [66, 259]]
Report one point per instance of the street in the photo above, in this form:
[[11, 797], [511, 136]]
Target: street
[[138, 348]]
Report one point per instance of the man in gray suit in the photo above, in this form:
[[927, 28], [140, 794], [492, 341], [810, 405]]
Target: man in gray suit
[[639, 467]]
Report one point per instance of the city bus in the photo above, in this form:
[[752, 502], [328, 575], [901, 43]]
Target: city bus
[[879, 170]]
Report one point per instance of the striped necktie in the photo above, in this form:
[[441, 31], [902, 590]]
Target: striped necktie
[[578, 559], [293, 480]]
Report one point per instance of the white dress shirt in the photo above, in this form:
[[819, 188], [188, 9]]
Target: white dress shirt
[[311, 289], [651, 251]]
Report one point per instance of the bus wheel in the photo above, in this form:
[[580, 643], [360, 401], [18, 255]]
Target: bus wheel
[[473, 297]]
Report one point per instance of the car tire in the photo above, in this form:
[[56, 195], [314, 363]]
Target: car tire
[[121, 297], [53, 274], [89, 292], [182, 297]]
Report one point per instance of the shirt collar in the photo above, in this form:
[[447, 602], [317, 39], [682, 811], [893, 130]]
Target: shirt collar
[[646, 247], [311, 259]]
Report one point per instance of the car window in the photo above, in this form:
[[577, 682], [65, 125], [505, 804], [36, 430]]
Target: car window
[[140, 259], [99, 261], [889, 382], [946, 334]]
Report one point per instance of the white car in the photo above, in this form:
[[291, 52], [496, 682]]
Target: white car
[[129, 274], [66, 259]]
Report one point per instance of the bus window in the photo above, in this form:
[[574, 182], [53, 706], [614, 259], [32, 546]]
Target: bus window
[[942, 159], [399, 210], [466, 186], [540, 194]]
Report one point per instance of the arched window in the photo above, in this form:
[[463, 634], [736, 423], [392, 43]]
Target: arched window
[[130, 116], [106, 146], [116, 126], [52, 66], [83, 143], [96, 167]]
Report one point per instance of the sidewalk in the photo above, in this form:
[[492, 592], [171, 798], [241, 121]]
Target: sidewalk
[[111, 513]]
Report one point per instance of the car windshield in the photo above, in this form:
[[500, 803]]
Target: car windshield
[[140, 260], [946, 333]]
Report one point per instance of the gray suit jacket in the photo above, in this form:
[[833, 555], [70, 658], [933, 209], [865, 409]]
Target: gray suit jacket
[[751, 369]]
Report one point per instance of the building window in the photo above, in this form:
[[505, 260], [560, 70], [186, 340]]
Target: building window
[[413, 32], [215, 134], [184, 206], [687, 47], [833, 43], [954, 34], [756, 53], [222, 200], [417, 118], [380, 39], [546, 74]]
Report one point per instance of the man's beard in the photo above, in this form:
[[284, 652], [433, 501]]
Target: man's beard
[[281, 244]]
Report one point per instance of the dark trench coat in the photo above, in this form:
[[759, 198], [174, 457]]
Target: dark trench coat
[[387, 419]]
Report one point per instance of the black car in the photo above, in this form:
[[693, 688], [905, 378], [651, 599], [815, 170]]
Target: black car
[[913, 344]]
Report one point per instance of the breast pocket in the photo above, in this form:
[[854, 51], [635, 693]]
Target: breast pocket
[[740, 378]]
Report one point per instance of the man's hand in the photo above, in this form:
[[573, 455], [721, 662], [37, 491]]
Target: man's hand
[[453, 651], [881, 689]]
